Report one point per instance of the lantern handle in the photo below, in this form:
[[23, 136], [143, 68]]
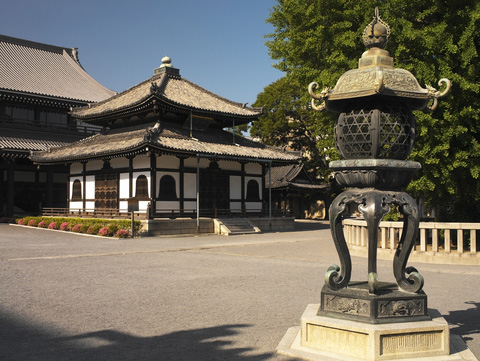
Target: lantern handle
[[436, 94], [321, 96]]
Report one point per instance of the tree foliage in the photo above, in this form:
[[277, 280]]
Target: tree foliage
[[319, 40]]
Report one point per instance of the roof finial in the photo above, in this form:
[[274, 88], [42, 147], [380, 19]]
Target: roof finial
[[376, 33], [166, 62]]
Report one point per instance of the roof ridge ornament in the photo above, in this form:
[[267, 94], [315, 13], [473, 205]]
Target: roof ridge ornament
[[376, 33]]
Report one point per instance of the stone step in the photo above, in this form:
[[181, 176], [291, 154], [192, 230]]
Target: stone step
[[238, 226]]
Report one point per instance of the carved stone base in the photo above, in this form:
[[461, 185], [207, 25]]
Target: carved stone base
[[388, 305], [325, 338]]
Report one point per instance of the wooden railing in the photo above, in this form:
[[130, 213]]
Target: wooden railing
[[436, 241]]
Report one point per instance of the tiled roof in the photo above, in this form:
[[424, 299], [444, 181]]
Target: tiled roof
[[46, 70], [286, 177], [22, 140], [166, 137], [171, 89]]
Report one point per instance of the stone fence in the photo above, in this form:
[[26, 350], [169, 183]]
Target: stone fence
[[437, 242]]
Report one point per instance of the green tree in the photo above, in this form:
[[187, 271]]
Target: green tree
[[320, 40]]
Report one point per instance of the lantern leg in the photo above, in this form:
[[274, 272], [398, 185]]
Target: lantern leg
[[338, 277], [414, 282], [373, 206]]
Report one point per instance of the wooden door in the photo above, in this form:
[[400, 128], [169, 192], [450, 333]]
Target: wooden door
[[106, 191], [214, 190]]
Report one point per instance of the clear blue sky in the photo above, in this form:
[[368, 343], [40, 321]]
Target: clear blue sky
[[217, 44]]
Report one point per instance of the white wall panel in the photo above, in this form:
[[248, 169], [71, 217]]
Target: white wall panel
[[141, 161], [90, 187], [168, 205], [120, 162], [190, 188], [124, 184], [168, 161], [236, 206], [76, 168], [253, 168], [235, 187], [227, 165], [95, 165]]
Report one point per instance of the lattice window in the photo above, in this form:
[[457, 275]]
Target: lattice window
[[253, 193], [167, 189], [141, 191], [77, 190]]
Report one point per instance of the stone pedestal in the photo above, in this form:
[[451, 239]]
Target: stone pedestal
[[326, 338]]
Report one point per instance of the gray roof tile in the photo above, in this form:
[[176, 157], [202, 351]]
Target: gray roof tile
[[168, 137], [174, 90], [45, 70]]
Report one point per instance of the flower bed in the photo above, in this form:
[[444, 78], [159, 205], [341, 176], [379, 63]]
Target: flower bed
[[94, 226]]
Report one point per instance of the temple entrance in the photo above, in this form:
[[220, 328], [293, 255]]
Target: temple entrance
[[106, 191], [214, 191]]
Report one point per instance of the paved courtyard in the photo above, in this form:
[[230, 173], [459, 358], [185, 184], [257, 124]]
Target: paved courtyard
[[72, 297]]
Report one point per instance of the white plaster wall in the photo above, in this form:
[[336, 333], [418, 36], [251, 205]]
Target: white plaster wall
[[76, 168], [135, 176], [190, 187], [90, 187], [124, 185], [120, 162], [95, 165], [168, 205], [236, 206], [142, 205], [141, 161], [253, 168], [253, 206], [90, 206], [123, 206], [235, 187], [76, 206], [227, 165], [175, 176], [192, 162], [168, 161], [190, 206], [259, 181]]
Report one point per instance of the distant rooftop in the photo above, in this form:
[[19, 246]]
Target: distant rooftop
[[46, 70]]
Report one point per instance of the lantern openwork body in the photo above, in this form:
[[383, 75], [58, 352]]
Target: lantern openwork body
[[374, 134]]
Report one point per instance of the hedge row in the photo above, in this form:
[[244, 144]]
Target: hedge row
[[95, 226]]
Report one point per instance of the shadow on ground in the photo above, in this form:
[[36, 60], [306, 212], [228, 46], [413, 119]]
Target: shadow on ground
[[465, 322], [310, 225], [23, 341]]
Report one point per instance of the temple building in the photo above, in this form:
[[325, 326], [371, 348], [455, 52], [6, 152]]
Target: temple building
[[39, 84], [164, 149], [296, 192]]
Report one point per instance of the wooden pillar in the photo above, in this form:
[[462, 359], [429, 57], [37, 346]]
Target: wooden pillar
[[130, 176], [10, 188], [264, 170], [242, 185], [84, 187], [153, 181], [182, 185], [50, 201]]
